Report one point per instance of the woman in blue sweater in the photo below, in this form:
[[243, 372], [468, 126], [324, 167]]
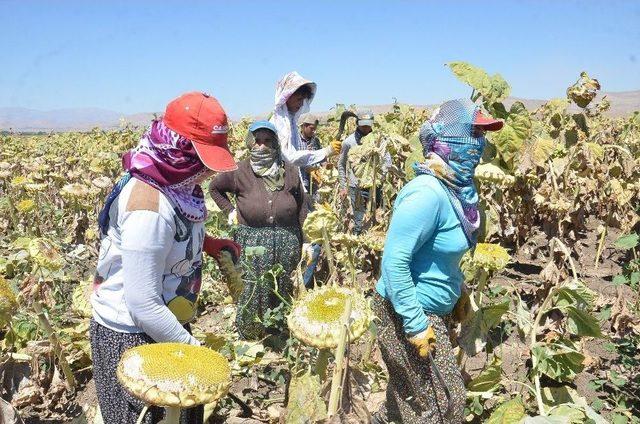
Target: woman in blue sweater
[[435, 221]]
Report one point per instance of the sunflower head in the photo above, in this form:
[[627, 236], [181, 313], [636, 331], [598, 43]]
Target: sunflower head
[[315, 319], [490, 257]]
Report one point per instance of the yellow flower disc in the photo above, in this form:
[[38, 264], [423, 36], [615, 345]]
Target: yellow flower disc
[[315, 318], [174, 374], [26, 206], [75, 190], [45, 254], [490, 256], [8, 302]]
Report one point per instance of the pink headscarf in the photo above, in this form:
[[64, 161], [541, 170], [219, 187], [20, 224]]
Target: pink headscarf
[[169, 162]]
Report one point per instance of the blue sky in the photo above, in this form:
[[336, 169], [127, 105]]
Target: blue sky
[[134, 56]]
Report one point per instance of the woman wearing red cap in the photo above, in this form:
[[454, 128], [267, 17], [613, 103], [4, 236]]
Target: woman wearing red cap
[[269, 199], [435, 221], [152, 238]]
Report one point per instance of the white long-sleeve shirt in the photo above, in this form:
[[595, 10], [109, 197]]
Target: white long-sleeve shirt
[[149, 269], [290, 152]]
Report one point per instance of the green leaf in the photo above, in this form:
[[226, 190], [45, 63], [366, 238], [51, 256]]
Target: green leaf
[[619, 419], [581, 323], [510, 139], [305, 403], [570, 412], [596, 150], [619, 280], [492, 88], [616, 379], [627, 242], [574, 294], [488, 380], [559, 360], [493, 313], [474, 332], [581, 122], [539, 419], [476, 77], [510, 412], [523, 318]]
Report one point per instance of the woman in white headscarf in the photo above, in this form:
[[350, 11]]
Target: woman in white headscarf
[[293, 98]]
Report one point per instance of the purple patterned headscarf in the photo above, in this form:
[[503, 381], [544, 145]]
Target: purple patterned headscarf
[[169, 162], [452, 152]]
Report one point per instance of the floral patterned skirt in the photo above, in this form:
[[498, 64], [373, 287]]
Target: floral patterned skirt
[[282, 246], [118, 406], [418, 391]]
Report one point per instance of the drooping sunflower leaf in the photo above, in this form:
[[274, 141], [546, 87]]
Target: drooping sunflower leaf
[[559, 360], [570, 412], [510, 412], [489, 379], [492, 88], [305, 403], [510, 139], [584, 90], [582, 323], [474, 333], [627, 242]]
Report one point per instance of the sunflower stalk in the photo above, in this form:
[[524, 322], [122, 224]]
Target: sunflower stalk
[[326, 245], [335, 396], [322, 361], [352, 266], [601, 242], [483, 278], [543, 310], [55, 343], [172, 416]]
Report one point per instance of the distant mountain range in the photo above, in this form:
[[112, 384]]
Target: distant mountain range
[[84, 119]]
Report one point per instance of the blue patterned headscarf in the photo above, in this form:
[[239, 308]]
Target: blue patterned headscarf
[[452, 153]]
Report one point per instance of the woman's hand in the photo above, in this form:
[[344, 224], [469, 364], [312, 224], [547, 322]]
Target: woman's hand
[[424, 342], [213, 247]]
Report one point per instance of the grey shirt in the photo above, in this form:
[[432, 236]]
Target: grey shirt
[[351, 141]]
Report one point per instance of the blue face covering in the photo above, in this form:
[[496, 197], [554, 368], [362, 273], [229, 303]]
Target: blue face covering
[[452, 153]]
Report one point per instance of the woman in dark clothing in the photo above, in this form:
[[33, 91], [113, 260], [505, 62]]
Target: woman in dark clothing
[[269, 211]]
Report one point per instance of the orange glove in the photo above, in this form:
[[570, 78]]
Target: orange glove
[[336, 146], [213, 247], [315, 175], [424, 342]]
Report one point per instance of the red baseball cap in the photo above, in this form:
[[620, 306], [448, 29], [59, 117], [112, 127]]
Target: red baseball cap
[[200, 118], [487, 123]]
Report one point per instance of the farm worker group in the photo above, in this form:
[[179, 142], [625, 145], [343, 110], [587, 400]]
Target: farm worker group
[[149, 270]]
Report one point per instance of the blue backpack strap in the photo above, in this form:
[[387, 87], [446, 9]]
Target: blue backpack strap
[[103, 217]]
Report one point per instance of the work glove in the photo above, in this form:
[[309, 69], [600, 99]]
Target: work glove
[[232, 219], [213, 247], [336, 146], [315, 174], [462, 309], [424, 342]]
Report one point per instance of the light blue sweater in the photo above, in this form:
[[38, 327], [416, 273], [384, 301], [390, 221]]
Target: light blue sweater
[[421, 259]]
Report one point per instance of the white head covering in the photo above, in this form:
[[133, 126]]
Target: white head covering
[[285, 121]]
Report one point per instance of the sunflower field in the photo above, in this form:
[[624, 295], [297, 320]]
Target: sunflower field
[[554, 332]]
